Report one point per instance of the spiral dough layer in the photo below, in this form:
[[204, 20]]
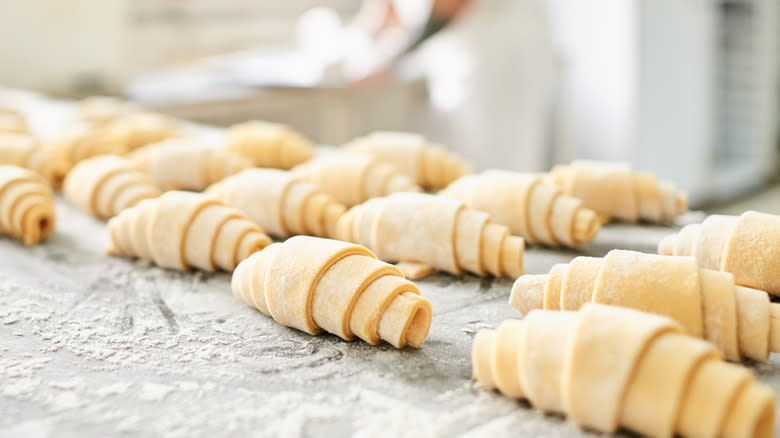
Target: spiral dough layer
[[435, 231], [284, 205], [26, 205], [315, 284], [740, 321], [608, 367], [105, 185], [530, 207], [180, 230]]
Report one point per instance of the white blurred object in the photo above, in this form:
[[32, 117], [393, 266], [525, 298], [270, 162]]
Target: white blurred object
[[491, 76], [318, 31], [370, 49], [687, 89]]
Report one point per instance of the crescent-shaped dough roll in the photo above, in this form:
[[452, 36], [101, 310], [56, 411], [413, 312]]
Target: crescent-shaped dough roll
[[117, 137], [609, 367], [435, 231], [353, 179], [135, 130], [26, 151], [314, 285], [268, 144], [181, 164], [281, 203], [105, 185], [181, 230], [26, 205], [12, 122], [740, 321], [616, 191], [529, 206], [747, 246], [430, 165]]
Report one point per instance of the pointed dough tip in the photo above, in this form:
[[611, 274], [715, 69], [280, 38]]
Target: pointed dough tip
[[667, 244], [528, 293]]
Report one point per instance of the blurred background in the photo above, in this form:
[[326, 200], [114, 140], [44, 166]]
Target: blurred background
[[685, 88]]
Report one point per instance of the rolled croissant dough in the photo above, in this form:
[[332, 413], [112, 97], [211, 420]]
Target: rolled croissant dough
[[607, 367], [529, 206], [26, 205], [180, 230], [434, 231], [315, 284], [740, 321], [743, 245], [280, 202]]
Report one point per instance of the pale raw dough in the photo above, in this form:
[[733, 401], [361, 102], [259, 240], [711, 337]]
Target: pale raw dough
[[105, 185], [430, 165], [135, 130], [115, 137], [707, 303], [12, 122], [435, 231], [607, 367], [268, 144], [316, 284], [183, 164], [180, 230], [616, 191], [26, 205], [529, 206], [415, 270], [26, 151], [281, 203], [353, 179], [746, 246]]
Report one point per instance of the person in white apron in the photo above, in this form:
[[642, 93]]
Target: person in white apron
[[491, 72]]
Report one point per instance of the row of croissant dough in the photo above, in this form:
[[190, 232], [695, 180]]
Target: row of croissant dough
[[629, 340]]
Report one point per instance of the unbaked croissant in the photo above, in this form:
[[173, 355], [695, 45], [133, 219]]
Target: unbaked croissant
[[134, 130], [105, 185], [268, 144], [26, 151], [315, 285], [747, 246], [353, 179], [616, 191], [180, 230], [12, 121], [435, 231], [116, 137], [740, 321], [430, 165], [26, 205], [608, 367], [181, 164], [529, 206], [282, 204]]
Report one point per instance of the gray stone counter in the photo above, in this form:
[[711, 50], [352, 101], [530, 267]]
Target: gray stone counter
[[93, 346]]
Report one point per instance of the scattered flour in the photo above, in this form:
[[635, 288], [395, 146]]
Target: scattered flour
[[155, 391]]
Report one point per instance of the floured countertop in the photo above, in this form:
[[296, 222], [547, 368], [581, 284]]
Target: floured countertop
[[93, 346]]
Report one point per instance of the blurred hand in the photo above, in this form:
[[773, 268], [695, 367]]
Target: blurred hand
[[377, 80]]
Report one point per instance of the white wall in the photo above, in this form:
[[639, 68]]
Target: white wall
[[677, 105], [46, 44], [598, 44]]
